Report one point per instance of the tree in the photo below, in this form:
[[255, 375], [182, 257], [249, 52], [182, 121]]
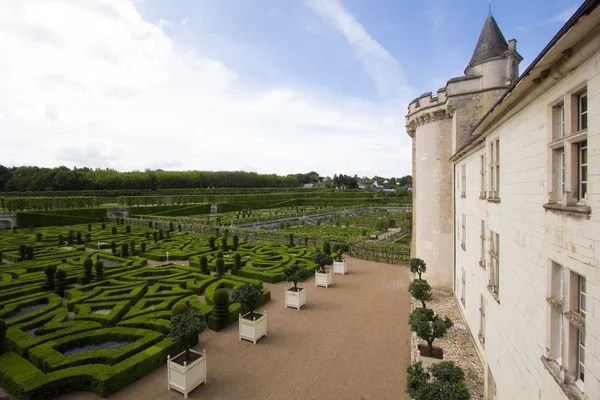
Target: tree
[[237, 263], [236, 242], [443, 380], [224, 245], [248, 295], [418, 266], [211, 242], [61, 282], [322, 259], [295, 273], [186, 327], [124, 250], [341, 248], [99, 267], [428, 326], [420, 290], [29, 253]]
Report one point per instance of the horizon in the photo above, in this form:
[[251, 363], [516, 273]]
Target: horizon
[[318, 85]]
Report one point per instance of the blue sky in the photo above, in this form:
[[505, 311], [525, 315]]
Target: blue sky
[[277, 86]]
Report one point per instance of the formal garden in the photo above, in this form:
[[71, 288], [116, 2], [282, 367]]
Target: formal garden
[[82, 309]]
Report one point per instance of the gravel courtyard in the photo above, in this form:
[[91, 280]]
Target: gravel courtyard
[[351, 341]]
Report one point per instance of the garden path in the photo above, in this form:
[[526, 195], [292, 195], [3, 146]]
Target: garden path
[[351, 341]]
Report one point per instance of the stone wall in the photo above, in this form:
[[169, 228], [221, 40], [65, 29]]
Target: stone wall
[[518, 333]]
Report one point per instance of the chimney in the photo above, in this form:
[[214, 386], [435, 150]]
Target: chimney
[[512, 45]]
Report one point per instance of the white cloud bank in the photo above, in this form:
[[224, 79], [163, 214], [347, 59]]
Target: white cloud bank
[[91, 83]]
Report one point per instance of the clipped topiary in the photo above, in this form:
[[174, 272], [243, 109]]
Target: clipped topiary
[[186, 327], [88, 264], [236, 242], [420, 290], [326, 247], [211, 242], [220, 266], [3, 328], [237, 263], [428, 326], [220, 308], [114, 230], [99, 267], [224, 244], [49, 271], [124, 250], [178, 309], [418, 266], [204, 265], [443, 380], [61, 282]]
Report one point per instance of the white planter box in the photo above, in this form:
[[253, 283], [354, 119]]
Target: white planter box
[[339, 267], [323, 279], [185, 378], [295, 299], [253, 330]]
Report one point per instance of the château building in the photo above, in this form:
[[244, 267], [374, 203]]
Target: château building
[[506, 207]]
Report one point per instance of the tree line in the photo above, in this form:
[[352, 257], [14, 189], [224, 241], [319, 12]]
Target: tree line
[[62, 179]]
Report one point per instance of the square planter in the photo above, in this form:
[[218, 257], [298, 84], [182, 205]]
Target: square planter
[[430, 359], [185, 377], [295, 299], [253, 329], [323, 279], [339, 267]]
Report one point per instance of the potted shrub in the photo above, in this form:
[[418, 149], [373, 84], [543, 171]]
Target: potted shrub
[[444, 378], [187, 370], [323, 276], [339, 265], [428, 326], [252, 325], [295, 296]]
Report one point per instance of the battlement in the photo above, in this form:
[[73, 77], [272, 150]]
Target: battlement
[[427, 100]]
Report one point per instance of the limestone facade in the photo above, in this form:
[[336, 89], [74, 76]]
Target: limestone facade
[[526, 196], [438, 126]]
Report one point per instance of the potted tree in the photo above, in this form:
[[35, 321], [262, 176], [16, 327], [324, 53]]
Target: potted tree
[[187, 370], [323, 276], [442, 379], [428, 326], [252, 325], [295, 296], [339, 265], [418, 266]]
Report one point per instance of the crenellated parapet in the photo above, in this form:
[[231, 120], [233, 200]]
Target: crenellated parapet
[[426, 109]]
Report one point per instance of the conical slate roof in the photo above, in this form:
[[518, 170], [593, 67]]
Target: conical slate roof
[[491, 42]]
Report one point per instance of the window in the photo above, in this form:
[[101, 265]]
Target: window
[[557, 323], [481, 320], [494, 278], [463, 288], [494, 192], [482, 240], [582, 112], [568, 151], [463, 183], [482, 177], [463, 238], [568, 305], [582, 177]]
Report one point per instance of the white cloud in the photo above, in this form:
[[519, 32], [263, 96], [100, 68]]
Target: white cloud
[[185, 21], [381, 66], [92, 83], [561, 17]]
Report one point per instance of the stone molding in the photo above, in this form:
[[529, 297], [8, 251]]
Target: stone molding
[[425, 118]]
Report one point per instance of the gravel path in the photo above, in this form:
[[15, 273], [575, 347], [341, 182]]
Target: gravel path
[[351, 341]]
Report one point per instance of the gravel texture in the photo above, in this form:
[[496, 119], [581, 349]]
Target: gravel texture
[[458, 344], [351, 341]]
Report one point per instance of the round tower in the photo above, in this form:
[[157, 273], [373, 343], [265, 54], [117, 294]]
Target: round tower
[[438, 126]]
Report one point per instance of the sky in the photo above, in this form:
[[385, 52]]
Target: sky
[[271, 86]]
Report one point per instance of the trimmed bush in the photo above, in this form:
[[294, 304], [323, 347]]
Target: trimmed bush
[[49, 271], [220, 266], [204, 265], [443, 380], [114, 230], [220, 309], [420, 290], [179, 308], [87, 270], [428, 326], [99, 267], [124, 250], [236, 242], [61, 282], [418, 266]]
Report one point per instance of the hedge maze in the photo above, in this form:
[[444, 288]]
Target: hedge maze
[[82, 319]]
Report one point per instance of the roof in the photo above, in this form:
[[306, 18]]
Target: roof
[[491, 42], [586, 8]]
